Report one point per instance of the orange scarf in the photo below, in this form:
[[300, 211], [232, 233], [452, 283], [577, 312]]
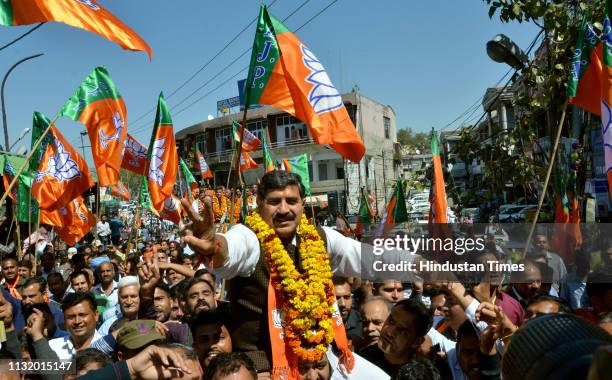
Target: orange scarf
[[284, 361], [12, 289]]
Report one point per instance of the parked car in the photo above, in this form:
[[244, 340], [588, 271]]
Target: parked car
[[520, 216], [505, 216], [474, 212]]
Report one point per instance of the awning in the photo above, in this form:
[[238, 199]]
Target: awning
[[317, 200]]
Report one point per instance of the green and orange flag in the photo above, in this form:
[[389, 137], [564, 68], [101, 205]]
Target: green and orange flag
[[83, 14], [62, 174], [586, 70], [99, 106], [364, 215], [134, 155], [250, 142], [395, 212], [286, 74], [162, 159], [268, 162], [247, 162], [437, 198], [202, 165], [298, 165], [70, 222]]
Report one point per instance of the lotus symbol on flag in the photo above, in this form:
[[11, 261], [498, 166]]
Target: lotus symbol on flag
[[323, 97], [8, 167], [61, 166], [136, 150], [155, 173], [90, 4], [118, 122], [171, 204], [203, 165]]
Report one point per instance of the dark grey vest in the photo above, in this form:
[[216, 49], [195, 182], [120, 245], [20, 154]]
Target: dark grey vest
[[249, 303]]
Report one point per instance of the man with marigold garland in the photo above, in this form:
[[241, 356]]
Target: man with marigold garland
[[280, 277]]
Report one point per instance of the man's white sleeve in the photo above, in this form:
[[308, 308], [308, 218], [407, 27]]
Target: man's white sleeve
[[344, 253], [243, 253], [351, 258]]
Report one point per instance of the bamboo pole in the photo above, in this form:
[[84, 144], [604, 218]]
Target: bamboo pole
[[17, 229], [553, 156]]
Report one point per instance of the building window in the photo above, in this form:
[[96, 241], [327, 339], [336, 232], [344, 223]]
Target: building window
[[339, 172], [387, 125], [289, 128], [310, 172], [201, 143], [258, 128], [322, 171], [223, 139]]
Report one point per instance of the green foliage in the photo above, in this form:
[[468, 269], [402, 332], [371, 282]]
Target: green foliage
[[541, 87], [413, 140]]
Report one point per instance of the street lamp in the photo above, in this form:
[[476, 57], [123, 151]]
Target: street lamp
[[503, 50], [6, 139], [22, 135]]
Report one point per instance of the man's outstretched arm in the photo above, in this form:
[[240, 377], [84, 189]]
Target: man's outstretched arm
[[229, 255]]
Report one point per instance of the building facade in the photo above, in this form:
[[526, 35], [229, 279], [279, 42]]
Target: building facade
[[334, 180]]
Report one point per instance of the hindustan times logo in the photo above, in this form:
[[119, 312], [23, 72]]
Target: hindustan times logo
[[420, 244]]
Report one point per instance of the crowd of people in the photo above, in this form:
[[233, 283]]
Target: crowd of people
[[192, 304]]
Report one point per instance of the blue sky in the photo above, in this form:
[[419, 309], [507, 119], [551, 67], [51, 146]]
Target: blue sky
[[426, 59]]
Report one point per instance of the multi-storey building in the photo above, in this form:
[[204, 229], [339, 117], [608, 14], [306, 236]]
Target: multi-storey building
[[333, 180]]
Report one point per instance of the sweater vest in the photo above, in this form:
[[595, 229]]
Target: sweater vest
[[249, 306]]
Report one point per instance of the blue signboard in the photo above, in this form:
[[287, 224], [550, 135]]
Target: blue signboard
[[228, 103], [241, 88]]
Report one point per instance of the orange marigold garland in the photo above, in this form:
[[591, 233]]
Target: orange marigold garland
[[307, 298]]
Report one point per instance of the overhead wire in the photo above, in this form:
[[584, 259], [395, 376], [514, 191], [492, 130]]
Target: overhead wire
[[469, 118], [146, 126], [201, 68]]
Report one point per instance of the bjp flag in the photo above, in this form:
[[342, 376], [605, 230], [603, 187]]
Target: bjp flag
[[204, 169], [83, 14], [120, 191], [70, 222], [62, 175], [162, 156], [285, 73], [247, 162], [250, 142], [99, 106], [134, 155]]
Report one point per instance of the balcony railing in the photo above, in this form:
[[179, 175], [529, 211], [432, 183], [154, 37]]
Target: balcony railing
[[226, 155]]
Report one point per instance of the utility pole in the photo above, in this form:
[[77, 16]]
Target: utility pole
[[4, 124], [384, 177]]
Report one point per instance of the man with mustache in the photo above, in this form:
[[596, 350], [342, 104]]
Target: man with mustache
[[239, 257], [200, 296], [374, 313]]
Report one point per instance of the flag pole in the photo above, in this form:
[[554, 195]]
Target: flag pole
[[29, 216], [236, 161], [28, 158], [8, 236], [553, 156], [17, 229]]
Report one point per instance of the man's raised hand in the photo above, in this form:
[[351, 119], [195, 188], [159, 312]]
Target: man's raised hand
[[200, 233]]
